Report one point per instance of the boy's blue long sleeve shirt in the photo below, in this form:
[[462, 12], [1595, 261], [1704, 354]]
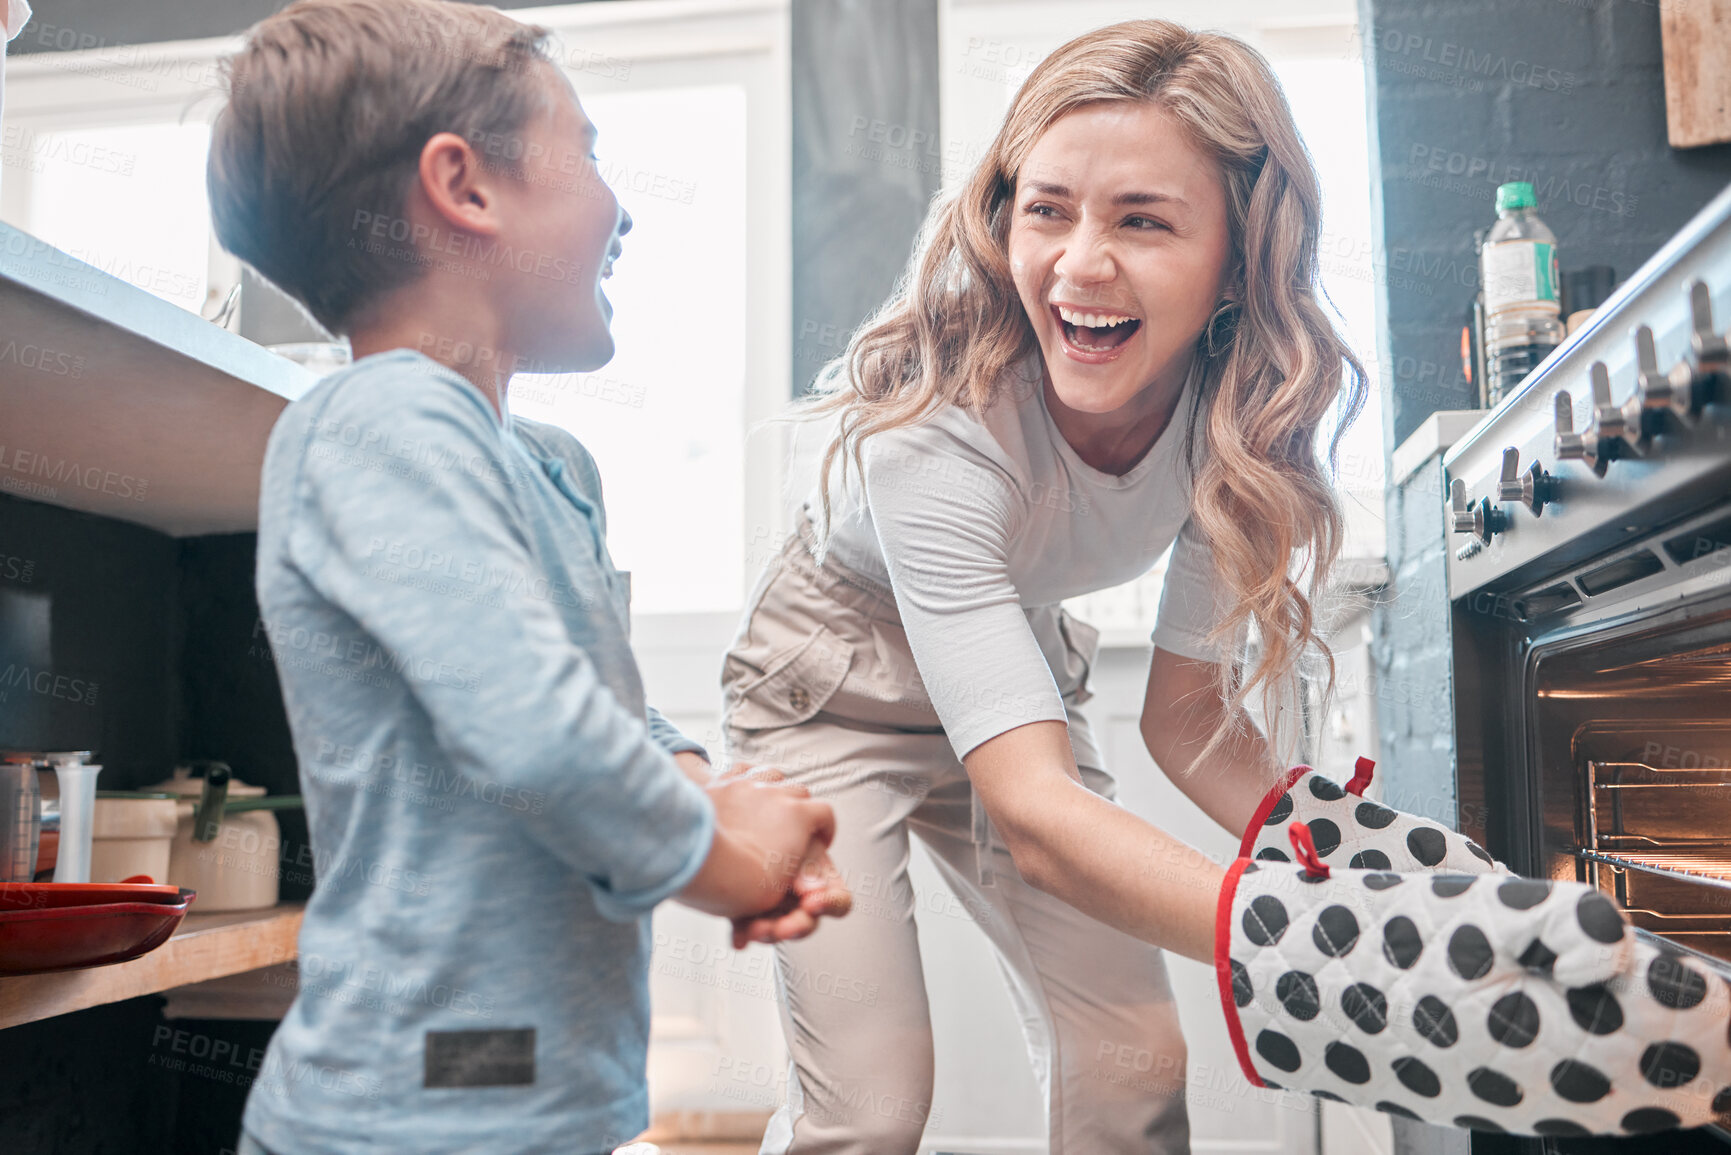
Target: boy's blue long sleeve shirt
[[493, 808]]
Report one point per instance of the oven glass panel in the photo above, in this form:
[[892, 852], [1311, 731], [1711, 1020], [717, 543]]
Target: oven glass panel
[[1633, 741]]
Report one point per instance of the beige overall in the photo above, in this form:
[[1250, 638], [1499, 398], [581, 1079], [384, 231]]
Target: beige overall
[[820, 682]]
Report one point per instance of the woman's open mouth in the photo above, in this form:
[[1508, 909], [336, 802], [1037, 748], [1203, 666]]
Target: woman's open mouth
[[1095, 335]]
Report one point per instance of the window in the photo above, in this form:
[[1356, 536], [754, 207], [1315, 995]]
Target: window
[[665, 418], [1326, 91], [129, 200]]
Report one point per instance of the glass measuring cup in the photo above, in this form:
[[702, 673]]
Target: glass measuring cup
[[20, 818]]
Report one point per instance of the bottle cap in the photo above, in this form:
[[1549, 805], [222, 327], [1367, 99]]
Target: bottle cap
[[1517, 194]]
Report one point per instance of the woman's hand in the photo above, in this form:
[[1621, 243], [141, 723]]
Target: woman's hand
[[1484, 1001], [1348, 830]]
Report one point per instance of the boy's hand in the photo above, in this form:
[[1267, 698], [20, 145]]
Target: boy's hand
[[766, 833], [818, 890], [696, 767]]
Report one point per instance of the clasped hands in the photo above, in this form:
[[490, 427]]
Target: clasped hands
[[785, 834]]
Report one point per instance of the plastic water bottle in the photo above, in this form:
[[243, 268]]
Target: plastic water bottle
[[1518, 271]]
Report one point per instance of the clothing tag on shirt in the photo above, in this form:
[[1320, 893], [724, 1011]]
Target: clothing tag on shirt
[[504, 1058]]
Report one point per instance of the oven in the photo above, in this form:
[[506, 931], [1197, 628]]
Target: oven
[[1589, 577]]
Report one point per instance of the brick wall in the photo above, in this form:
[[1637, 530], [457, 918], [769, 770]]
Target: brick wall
[[1410, 653]]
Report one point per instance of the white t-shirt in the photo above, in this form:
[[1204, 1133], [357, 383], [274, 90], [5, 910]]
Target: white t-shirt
[[982, 524]]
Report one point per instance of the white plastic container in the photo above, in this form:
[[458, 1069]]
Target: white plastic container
[[132, 836], [77, 782]]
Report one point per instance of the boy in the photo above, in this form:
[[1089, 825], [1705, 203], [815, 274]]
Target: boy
[[493, 808]]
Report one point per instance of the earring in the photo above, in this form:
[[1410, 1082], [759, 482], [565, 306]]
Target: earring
[[1217, 334]]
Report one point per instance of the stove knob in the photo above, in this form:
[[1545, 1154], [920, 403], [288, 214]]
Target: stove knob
[[1695, 381], [1509, 484], [1708, 350], [1481, 519], [1533, 489], [1572, 446], [1460, 513], [1619, 427]]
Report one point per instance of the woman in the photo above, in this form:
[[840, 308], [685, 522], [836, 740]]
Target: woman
[[1016, 450], [1108, 342]]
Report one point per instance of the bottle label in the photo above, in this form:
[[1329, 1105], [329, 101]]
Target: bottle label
[[1519, 273]]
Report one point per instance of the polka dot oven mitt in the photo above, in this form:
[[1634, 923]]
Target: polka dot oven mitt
[[1351, 831], [1487, 1002]]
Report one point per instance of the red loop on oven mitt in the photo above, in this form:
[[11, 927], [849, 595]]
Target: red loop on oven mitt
[[1487, 1002], [1355, 832], [1304, 849]]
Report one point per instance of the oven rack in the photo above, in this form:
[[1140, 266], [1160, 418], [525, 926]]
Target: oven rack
[[1693, 868]]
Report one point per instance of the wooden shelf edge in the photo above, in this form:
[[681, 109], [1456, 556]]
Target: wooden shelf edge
[[118, 404], [205, 947], [109, 301]]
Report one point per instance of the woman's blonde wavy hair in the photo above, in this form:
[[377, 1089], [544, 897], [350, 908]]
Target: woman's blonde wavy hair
[[1273, 367]]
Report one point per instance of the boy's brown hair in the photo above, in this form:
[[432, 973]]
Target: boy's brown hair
[[329, 105]]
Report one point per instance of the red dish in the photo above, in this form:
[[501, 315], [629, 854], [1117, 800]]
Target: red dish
[[60, 926]]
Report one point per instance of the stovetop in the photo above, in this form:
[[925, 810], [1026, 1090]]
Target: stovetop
[[1603, 442]]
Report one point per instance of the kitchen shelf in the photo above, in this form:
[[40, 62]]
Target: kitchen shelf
[[206, 946], [115, 402]]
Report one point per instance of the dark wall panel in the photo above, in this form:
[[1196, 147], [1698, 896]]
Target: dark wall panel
[[88, 639], [82, 1083], [122, 1080], [165, 631], [231, 702]]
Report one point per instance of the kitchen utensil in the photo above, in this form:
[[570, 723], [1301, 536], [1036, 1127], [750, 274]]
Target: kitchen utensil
[[20, 818], [234, 867], [227, 305], [132, 834], [207, 819], [77, 780], [55, 926]]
